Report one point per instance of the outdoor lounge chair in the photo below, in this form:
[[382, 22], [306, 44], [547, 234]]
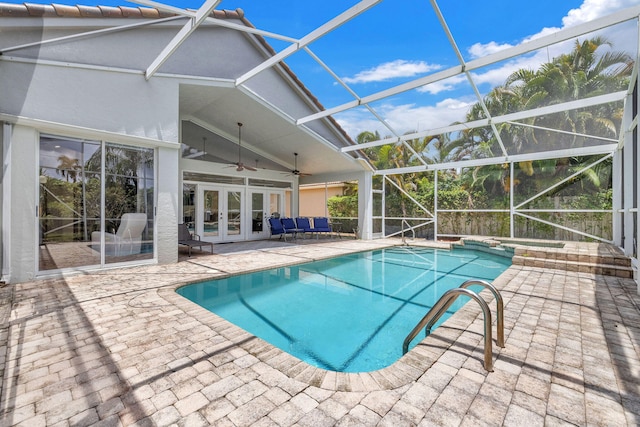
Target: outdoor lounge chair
[[127, 240], [277, 229], [185, 238], [321, 225], [304, 224], [290, 227]]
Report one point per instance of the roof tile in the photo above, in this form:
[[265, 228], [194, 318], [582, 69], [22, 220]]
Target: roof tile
[[89, 12], [34, 9], [80, 11], [66, 11], [110, 12], [13, 10], [129, 12]]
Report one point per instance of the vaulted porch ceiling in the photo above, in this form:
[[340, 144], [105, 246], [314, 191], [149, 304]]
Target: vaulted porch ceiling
[[213, 112]]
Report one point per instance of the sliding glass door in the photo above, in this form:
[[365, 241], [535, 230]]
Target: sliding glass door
[[95, 203]]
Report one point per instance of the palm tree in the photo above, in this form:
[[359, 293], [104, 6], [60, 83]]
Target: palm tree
[[583, 72]]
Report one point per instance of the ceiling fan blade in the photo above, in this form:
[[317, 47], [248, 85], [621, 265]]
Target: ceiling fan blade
[[241, 166]]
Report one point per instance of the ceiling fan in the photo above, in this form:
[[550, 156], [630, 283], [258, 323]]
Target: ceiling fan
[[239, 165], [295, 170]]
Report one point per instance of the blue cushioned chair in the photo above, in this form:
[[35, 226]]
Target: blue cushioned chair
[[304, 224], [290, 226], [275, 226], [321, 225]]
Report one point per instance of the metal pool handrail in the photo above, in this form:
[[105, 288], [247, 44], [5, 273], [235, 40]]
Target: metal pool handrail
[[413, 231], [445, 301], [499, 307]]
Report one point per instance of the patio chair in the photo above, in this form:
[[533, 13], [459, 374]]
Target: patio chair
[[185, 238], [321, 225], [290, 227], [127, 240], [275, 227], [304, 224]]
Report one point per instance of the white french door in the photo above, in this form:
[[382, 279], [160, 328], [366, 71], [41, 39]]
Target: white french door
[[263, 203], [220, 213]]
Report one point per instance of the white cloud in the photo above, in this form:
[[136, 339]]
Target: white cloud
[[410, 117], [592, 9], [479, 50], [588, 11], [392, 70], [404, 118], [443, 85]]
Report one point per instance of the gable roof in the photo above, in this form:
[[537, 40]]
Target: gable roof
[[31, 10], [338, 138]]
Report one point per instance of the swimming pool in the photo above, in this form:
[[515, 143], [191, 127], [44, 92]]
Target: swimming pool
[[345, 314]]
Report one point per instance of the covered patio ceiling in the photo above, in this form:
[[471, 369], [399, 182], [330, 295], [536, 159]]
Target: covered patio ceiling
[[267, 135]]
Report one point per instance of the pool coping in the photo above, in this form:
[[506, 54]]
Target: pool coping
[[404, 371]]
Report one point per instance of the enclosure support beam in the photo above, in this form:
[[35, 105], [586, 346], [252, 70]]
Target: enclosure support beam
[[319, 32], [188, 28]]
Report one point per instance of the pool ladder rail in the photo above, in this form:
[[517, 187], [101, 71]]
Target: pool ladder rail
[[449, 298]]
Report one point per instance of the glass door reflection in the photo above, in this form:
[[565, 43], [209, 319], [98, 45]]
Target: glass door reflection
[[234, 213], [211, 214]]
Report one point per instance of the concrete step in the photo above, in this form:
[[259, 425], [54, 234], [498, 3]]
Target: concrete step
[[569, 256], [624, 271]]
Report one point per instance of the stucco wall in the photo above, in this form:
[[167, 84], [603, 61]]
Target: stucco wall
[[313, 200], [168, 185], [20, 233], [93, 99]]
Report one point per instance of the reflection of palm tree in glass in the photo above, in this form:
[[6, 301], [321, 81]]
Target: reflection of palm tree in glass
[[68, 167], [123, 169]]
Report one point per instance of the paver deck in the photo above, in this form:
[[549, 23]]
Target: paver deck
[[121, 348]]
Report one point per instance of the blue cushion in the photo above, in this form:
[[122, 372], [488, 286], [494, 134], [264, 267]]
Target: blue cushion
[[321, 224], [276, 226]]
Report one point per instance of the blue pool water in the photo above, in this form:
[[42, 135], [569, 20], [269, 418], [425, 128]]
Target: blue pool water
[[346, 314]]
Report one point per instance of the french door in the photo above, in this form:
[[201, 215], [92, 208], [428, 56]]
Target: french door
[[220, 213], [264, 203]]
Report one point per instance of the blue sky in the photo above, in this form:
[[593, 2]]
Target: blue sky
[[400, 40]]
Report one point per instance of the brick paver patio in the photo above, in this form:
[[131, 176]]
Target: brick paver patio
[[121, 348]]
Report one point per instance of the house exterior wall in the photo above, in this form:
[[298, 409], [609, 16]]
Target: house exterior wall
[[313, 200], [94, 88], [4, 129], [114, 102], [82, 102]]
